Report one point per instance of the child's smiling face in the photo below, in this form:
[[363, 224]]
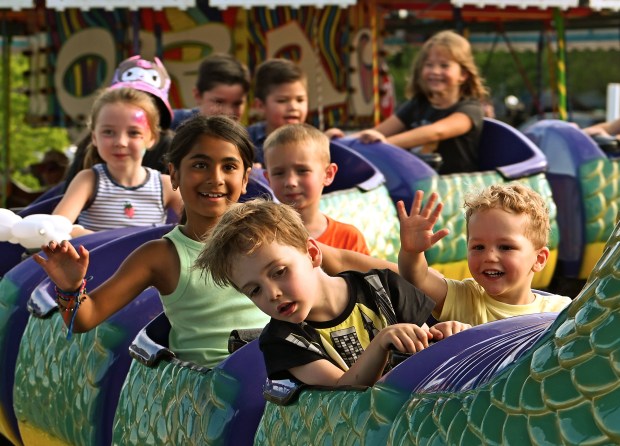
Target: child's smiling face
[[121, 134], [441, 74], [501, 258], [285, 104], [210, 177]]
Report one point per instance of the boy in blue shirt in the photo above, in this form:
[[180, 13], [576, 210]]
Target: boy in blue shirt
[[221, 89], [281, 95]]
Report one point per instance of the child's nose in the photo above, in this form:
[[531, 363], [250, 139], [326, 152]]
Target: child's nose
[[215, 177], [274, 294], [291, 180], [121, 140], [491, 255]]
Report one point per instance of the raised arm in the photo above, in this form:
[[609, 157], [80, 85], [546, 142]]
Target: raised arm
[[149, 265], [417, 236], [78, 193], [337, 260]]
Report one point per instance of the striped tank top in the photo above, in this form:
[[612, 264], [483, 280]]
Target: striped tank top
[[116, 206]]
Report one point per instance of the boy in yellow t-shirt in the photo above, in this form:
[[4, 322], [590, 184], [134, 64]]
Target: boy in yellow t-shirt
[[507, 235]]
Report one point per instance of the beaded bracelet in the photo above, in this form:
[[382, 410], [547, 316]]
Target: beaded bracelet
[[71, 296], [68, 296]]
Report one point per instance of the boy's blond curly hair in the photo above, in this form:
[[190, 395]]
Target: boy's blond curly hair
[[243, 229], [514, 198]]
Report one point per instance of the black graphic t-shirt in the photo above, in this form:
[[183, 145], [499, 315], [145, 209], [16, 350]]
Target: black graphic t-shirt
[[377, 299]]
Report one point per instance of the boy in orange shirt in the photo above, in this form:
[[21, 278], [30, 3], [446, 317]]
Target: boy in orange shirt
[[298, 167]]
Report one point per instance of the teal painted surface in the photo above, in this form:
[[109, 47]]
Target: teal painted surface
[[171, 404], [332, 417], [600, 181], [54, 376], [380, 225], [9, 292], [565, 390]]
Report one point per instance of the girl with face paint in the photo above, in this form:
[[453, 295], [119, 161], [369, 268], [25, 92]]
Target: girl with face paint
[[209, 160], [115, 190]]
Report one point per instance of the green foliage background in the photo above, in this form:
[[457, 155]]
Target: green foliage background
[[588, 73], [27, 143]]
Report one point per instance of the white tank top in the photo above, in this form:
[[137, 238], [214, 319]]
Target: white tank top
[[116, 206]]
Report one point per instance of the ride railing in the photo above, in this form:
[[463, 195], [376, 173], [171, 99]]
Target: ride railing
[[221, 406], [584, 181], [505, 154], [103, 354]]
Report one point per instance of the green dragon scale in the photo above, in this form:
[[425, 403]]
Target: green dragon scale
[[564, 390]]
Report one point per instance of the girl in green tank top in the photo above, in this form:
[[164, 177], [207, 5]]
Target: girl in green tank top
[[210, 160]]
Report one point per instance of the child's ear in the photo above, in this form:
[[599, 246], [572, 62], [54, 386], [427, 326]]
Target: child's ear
[[464, 76], [259, 105], [266, 175], [316, 256], [541, 259], [330, 174], [173, 176], [246, 178], [197, 96]]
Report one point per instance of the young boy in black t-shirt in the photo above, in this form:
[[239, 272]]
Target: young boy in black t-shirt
[[324, 330]]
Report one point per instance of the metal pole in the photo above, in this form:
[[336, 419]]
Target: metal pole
[[561, 61], [316, 46], [6, 99], [613, 102], [374, 31]]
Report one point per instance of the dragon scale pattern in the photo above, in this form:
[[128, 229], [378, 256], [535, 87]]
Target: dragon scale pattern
[[564, 390]]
